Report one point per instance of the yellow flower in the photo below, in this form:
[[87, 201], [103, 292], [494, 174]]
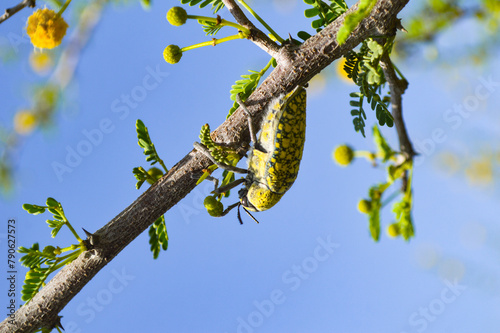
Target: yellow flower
[[172, 54], [343, 155], [177, 16], [364, 206], [40, 62], [24, 122], [341, 73], [46, 29], [480, 172], [393, 230]]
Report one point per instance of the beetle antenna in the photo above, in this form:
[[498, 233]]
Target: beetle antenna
[[239, 214], [253, 218]]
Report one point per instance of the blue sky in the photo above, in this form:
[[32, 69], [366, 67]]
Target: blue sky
[[310, 265]]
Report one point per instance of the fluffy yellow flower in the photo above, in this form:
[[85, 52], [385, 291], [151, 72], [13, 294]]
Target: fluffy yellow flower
[[24, 122], [343, 155], [172, 54], [177, 16], [46, 29]]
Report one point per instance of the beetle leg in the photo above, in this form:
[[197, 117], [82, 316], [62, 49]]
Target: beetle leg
[[228, 209], [251, 129], [204, 150], [253, 137], [229, 186], [210, 178], [215, 181]]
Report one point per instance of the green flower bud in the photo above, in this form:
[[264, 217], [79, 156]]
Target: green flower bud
[[213, 206], [155, 173], [177, 16], [364, 206], [49, 250], [172, 54], [343, 155]]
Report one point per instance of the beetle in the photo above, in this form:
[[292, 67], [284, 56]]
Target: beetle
[[274, 158]]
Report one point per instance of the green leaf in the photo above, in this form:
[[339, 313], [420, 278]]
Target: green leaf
[[245, 87], [311, 12], [158, 237], [352, 20], [34, 209], [210, 28], [216, 4], [402, 211], [383, 148], [395, 172], [53, 211], [303, 35], [56, 226], [375, 193], [323, 13], [141, 175], [144, 141], [34, 280], [51, 202], [316, 24], [364, 69]]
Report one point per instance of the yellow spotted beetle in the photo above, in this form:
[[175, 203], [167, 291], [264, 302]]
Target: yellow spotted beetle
[[274, 159]]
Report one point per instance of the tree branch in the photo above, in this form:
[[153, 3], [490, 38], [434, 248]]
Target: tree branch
[[306, 61], [11, 11], [256, 35]]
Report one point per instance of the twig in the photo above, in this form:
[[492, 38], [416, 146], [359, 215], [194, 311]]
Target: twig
[[313, 56], [256, 35], [11, 11], [397, 87]]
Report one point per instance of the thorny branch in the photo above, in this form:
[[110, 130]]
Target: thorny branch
[[301, 65], [256, 35], [11, 11]]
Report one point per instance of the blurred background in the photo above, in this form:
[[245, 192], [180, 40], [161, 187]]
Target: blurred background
[[67, 126]]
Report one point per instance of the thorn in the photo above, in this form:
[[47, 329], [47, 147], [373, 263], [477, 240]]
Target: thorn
[[292, 41], [399, 26], [89, 235], [91, 240], [57, 323]]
